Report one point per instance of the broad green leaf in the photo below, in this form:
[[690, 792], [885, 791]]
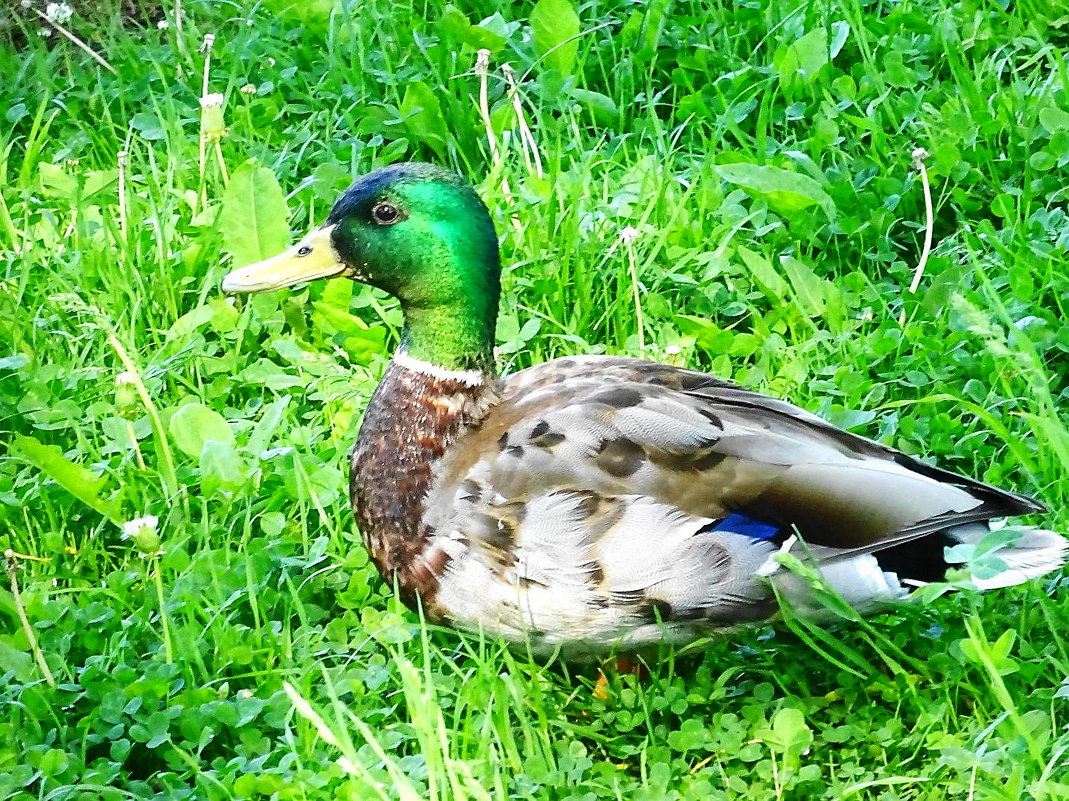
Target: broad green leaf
[[14, 362], [254, 218], [194, 424], [191, 321], [601, 106], [770, 281], [810, 290], [79, 481], [364, 346], [555, 25], [16, 662], [221, 467], [57, 181], [314, 14], [800, 61], [96, 181], [1054, 119], [786, 191], [789, 733], [455, 26], [333, 319], [495, 31], [423, 116], [1003, 646], [707, 334], [995, 541], [148, 125], [266, 425]]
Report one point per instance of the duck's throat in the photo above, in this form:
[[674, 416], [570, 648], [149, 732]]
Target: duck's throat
[[418, 410], [458, 338]]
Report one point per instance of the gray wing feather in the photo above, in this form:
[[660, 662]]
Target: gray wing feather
[[591, 492]]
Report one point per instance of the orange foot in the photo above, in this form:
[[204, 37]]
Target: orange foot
[[623, 664]]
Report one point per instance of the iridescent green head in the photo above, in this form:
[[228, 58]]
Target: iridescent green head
[[422, 234]]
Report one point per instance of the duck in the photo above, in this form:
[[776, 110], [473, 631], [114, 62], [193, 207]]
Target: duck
[[597, 504]]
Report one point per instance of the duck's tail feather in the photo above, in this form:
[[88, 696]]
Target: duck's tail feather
[[1035, 553], [869, 580]]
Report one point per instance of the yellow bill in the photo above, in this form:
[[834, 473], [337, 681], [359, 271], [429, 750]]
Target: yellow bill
[[311, 258]]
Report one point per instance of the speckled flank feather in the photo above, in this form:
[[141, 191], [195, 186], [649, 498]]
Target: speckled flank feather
[[588, 502]]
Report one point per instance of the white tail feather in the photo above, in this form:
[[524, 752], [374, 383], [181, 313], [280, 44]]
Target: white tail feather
[[859, 581], [1037, 553]]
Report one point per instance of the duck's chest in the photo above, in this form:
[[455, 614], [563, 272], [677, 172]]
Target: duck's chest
[[414, 417]]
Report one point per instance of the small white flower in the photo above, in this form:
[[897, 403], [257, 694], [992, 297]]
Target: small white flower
[[142, 532], [248, 89], [132, 528], [125, 377], [270, 61], [214, 99], [209, 42], [629, 234], [59, 13], [163, 25], [672, 350]]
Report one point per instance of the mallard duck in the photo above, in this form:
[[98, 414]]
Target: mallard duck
[[597, 502]]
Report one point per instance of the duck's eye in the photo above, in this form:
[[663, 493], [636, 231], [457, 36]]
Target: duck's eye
[[303, 250], [386, 213]]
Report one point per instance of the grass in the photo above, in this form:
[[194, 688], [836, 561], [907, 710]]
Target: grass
[[243, 647]]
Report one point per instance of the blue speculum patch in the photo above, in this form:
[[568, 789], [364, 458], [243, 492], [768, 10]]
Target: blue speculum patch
[[747, 526]]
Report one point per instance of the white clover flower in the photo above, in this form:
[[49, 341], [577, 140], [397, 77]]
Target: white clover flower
[[248, 89], [132, 528], [59, 13], [163, 25], [212, 100], [629, 234], [672, 350], [125, 377], [143, 532]]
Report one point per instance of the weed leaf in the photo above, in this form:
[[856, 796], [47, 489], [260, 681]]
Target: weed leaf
[[787, 192], [79, 481], [254, 216], [554, 23], [194, 424]]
